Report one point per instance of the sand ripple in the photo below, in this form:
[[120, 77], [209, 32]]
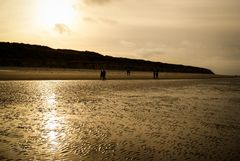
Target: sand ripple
[[120, 120]]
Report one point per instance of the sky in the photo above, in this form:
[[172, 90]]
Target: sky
[[203, 33]]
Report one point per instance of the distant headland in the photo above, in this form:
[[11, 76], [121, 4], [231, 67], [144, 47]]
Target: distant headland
[[26, 55]]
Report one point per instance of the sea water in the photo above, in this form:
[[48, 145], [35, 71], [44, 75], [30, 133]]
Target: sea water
[[195, 119]]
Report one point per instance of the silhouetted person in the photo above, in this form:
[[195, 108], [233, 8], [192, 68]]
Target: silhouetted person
[[156, 73], [102, 74], [128, 72]]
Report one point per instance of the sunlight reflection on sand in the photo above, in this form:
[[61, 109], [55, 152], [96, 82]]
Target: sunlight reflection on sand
[[51, 121]]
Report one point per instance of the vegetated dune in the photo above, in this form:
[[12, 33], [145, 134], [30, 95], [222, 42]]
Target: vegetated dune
[[25, 55]]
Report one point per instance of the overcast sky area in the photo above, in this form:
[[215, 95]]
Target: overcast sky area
[[204, 33]]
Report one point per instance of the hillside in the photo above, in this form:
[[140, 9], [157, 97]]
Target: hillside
[[25, 55]]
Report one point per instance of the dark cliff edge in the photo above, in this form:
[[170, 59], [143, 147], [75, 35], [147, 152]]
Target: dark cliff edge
[[25, 55]]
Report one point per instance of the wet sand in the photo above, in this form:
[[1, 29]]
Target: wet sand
[[83, 74], [183, 119]]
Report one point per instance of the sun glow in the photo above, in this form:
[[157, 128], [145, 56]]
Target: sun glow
[[56, 12]]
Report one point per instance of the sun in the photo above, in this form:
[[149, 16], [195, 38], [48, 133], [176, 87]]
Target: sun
[[55, 12]]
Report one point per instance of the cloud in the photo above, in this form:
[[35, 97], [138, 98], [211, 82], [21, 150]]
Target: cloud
[[61, 28], [89, 19], [108, 21], [150, 53], [100, 20], [97, 2], [127, 44]]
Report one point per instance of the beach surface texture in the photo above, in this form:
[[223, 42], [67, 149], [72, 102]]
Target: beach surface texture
[[145, 120]]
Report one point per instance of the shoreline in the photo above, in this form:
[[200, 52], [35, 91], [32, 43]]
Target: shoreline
[[21, 73]]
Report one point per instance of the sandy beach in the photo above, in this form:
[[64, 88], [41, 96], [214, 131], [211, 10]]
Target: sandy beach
[[14, 73], [142, 120]]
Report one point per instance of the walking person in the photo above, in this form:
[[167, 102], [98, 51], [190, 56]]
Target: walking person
[[156, 73], [102, 74], [128, 72]]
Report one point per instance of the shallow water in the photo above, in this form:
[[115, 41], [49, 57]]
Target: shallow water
[[120, 120]]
